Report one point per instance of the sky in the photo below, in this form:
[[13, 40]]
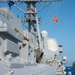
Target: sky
[[66, 29], [63, 30]]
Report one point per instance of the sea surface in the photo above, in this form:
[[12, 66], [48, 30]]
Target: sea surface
[[70, 69]]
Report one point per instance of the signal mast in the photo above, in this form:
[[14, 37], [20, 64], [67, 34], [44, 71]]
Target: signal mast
[[31, 13]]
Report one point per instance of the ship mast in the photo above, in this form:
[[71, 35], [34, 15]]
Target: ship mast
[[31, 11], [31, 14]]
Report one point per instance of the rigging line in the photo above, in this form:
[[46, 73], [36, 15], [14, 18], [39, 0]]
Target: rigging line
[[18, 4], [41, 3], [45, 20], [19, 9], [52, 12], [50, 16], [48, 13], [55, 8], [50, 20], [58, 6], [55, 11], [44, 6], [51, 9]]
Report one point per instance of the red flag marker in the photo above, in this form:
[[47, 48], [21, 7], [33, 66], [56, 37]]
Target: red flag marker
[[55, 19]]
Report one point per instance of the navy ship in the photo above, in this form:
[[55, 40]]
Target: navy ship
[[27, 52]]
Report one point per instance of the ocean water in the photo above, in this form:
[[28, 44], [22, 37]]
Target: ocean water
[[70, 69]]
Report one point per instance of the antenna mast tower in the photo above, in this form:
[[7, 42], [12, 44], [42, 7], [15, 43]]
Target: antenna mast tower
[[31, 11], [31, 14]]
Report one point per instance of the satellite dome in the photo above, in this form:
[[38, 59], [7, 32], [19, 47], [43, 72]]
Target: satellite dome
[[44, 33]]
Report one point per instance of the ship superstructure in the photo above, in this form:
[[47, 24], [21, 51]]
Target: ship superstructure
[[25, 52]]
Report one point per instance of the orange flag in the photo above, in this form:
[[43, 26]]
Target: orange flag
[[55, 19]]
